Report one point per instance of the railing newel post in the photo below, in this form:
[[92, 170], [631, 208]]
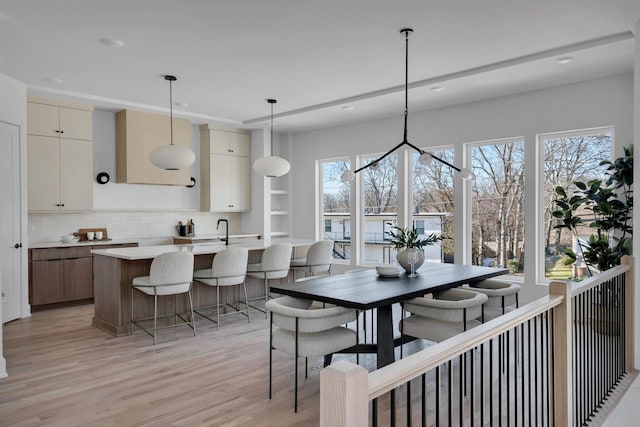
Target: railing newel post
[[563, 355], [629, 301], [344, 395]]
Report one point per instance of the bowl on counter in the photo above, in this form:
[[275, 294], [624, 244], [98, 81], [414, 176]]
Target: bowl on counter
[[69, 238]]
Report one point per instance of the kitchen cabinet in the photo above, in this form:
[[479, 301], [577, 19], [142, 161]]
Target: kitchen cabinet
[[59, 156], [225, 170], [137, 134], [62, 274]]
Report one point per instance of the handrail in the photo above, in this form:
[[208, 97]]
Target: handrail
[[391, 376], [593, 281]]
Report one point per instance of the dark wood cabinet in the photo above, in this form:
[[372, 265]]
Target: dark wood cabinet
[[60, 275]]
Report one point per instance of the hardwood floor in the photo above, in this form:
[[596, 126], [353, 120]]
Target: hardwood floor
[[64, 372]]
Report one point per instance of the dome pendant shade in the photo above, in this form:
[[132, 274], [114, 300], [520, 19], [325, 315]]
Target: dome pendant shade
[[172, 157], [271, 166]]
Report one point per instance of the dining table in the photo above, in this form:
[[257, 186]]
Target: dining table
[[365, 290]]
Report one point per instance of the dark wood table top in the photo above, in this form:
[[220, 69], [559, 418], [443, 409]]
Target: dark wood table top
[[364, 290]]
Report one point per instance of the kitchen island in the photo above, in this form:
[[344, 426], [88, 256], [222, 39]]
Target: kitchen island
[[114, 270]]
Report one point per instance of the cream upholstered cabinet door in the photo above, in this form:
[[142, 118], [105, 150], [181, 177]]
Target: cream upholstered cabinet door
[[76, 175], [240, 183], [220, 173], [43, 173], [60, 156], [226, 173]]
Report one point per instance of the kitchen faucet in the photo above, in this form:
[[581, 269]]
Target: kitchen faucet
[[226, 239]]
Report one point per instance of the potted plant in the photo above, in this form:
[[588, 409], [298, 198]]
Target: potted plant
[[406, 241], [609, 206]]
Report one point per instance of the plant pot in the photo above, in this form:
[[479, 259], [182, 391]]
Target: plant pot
[[403, 259]]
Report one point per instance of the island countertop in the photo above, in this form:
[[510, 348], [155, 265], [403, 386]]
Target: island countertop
[[114, 270], [150, 252]]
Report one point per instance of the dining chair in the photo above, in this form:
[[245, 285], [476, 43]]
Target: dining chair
[[502, 296], [447, 314], [274, 264], [318, 259], [299, 328], [228, 269], [170, 274]]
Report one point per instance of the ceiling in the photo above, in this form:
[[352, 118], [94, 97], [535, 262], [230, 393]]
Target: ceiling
[[316, 57]]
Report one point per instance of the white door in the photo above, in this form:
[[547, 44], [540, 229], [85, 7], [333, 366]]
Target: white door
[[10, 229]]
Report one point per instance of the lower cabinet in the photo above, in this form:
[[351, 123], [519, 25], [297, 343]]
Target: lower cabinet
[[58, 275]]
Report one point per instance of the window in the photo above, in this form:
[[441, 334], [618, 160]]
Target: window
[[568, 157], [380, 208], [336, 214], [497, 206], [433, 203]]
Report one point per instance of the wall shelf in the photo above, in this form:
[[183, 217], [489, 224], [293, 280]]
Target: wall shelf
[[279, 213], [280, 192], [279, 233]]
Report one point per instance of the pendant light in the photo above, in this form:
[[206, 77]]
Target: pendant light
[[271, 166], [425, 157], [172, 157]]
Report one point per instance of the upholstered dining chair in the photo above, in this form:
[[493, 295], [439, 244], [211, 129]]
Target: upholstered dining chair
[[502, 296], [228, 268], [274, 264], [447, 314], [170, 274], [300, 328], [318, 259]]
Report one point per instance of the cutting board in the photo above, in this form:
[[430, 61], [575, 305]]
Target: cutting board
[[82, 233]]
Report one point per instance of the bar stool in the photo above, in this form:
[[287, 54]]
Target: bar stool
[[317, 261], [274, 264], [228, 268], [170, 274]]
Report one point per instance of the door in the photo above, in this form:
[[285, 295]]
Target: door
[[220, 175], [10, 223]]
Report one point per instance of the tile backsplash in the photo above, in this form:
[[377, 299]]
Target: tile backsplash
[[146, 225]]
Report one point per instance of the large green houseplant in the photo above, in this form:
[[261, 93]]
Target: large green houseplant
[[608, 204], [406, 240]]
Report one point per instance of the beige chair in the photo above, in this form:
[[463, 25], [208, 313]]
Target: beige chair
[[274, 264], [229, 268], [502, 297], [318, 259], [297, 327], [170, 274], [447, 314]]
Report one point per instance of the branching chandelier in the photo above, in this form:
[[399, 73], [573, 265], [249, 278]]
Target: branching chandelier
[[425, 157]]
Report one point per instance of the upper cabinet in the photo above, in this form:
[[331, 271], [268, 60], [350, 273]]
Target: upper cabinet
[[137, 134], [59, 156], [225, 170]]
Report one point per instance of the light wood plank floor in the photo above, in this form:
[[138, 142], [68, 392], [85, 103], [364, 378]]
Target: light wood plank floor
[[64, 372]]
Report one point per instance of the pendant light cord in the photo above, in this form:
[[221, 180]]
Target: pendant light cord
[[171, 107], [406, 82], [271, 137]]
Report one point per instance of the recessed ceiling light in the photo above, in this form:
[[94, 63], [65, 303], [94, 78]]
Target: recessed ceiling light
[[348, 107], [437, 88], [181, 104], [53, 80], [112, 42], [564, 59]]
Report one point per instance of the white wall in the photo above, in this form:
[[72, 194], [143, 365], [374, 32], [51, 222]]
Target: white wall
[[13, 109], [604, 102]]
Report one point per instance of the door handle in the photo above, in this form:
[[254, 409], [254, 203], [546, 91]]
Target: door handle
[[18, 245]]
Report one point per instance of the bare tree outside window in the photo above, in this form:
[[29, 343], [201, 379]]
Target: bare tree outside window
[[568, 158], [498, 205], [433, 193], [336, 214]]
